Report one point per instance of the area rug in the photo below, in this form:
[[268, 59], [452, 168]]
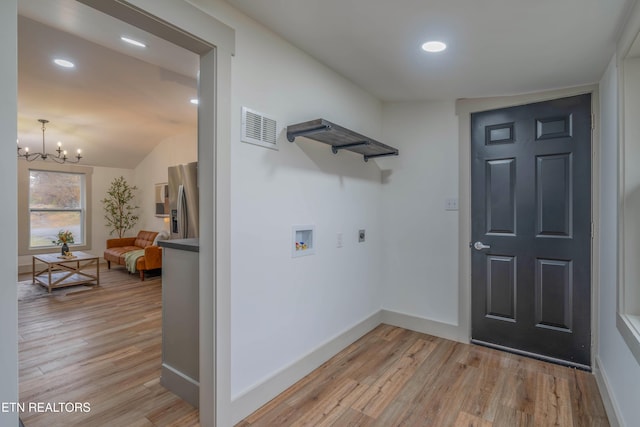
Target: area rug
[[27, 290]]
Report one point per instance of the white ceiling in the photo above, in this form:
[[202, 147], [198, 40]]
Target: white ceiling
[[495, 47], [117, 103]]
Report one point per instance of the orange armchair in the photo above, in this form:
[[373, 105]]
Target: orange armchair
[[118, 248]]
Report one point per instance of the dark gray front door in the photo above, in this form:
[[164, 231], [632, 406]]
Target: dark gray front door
[[531, 226]]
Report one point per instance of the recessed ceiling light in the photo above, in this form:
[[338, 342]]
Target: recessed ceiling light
[[194, 101], [132, 41], [64, 63], [434, 46]]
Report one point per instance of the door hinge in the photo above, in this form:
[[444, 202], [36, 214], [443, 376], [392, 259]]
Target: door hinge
[[593, 121], [592, 230]]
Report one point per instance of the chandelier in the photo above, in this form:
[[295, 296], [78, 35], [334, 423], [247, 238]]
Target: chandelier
[[60, 157]]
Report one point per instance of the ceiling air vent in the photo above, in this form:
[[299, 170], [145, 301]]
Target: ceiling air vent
[[259, 129]]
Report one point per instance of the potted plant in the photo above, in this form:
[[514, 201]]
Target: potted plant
[[64, 237], [119, 210]]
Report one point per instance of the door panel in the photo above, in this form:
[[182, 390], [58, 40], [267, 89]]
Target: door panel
[[554, 285], [501, 287], [499, 134], [553, 195], [501, 200], [531, 208]]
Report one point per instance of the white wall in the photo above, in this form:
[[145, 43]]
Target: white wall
[[616, 363], [152, 170], [420, 238], [282, 308], [8, 215]]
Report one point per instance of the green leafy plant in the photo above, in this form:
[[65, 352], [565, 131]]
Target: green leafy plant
[[119, 211]]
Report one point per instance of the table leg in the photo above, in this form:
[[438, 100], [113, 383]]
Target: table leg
[[49, 284], [33, 270]]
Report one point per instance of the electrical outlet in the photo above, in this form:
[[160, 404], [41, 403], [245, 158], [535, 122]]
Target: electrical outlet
[[361, 236], [451, 204], [339, 240]]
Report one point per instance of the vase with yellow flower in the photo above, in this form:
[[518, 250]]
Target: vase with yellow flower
[[64, 237]]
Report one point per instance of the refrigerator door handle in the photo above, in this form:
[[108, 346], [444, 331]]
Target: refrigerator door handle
[[182, 213]]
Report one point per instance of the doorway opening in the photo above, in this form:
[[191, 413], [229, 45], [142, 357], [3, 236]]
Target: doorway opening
[[156, 19]]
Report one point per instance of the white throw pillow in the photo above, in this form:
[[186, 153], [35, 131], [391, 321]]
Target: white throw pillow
[[163, 235]]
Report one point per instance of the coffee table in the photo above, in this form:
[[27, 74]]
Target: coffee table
[[62, 271]]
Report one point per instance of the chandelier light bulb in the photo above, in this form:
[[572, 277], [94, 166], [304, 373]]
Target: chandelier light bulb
[[59, 156]]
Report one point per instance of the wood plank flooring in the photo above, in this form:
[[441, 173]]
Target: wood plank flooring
[[101, 346], [396, 377]]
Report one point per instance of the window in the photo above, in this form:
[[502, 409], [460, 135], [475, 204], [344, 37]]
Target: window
[[628, 319], [56, 202], [52, 197]]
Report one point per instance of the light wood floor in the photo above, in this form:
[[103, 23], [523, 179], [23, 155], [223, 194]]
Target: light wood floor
[[102, 347], [395, 377]]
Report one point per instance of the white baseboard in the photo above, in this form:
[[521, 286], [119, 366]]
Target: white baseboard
[[180, 383], [249, 401], [610, 406], [425, 326]]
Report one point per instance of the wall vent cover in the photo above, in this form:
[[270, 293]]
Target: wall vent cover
[[259, 129]]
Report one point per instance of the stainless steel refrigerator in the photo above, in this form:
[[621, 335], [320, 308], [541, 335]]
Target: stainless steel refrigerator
[[183, 200]]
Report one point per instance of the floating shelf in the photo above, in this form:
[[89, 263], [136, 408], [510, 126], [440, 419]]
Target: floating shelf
[[340, 138]]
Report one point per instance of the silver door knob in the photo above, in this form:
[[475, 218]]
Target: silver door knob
[[480, 246]]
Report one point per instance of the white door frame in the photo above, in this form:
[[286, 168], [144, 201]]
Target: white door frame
[[464, 108], [215, 42]]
